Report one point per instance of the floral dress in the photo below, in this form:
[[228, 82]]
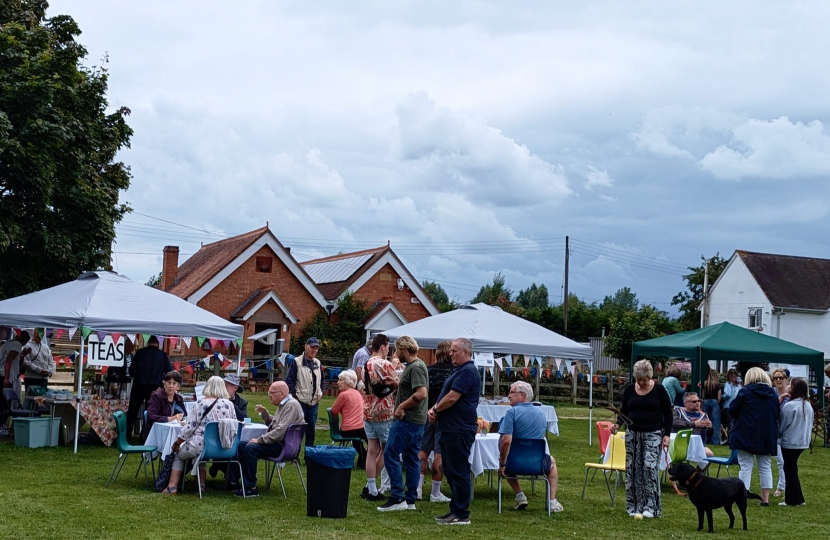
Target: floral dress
[[194, 432]]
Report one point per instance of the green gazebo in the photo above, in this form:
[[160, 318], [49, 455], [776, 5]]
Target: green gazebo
[[726, 341]]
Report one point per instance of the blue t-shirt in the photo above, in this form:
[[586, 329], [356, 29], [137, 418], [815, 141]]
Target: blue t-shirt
[[524, 421], [462, 416]]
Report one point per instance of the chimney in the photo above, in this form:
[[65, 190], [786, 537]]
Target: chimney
[[169, 267], [288, 250]]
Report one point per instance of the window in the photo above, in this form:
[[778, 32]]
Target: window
[[263, 264], [755, 317]]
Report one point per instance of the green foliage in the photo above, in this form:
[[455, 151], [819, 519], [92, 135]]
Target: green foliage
[[339, 337], [533, 297], [584, 320], [440, 296], [497, 294], [690, 299], [622, 301], [630, 326], [154, 281], [59, 183]]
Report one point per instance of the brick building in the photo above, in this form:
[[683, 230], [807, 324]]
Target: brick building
[[253, 280]]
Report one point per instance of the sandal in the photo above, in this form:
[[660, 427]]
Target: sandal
[[170, 490]]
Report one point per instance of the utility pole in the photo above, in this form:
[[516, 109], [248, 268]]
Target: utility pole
[[565, 299], [704, 312]]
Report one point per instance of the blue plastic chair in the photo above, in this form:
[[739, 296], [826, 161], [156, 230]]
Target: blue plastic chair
[[125, 449], [213, 451], [726, 462], [525, 459]]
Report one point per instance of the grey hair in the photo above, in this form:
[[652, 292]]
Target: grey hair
[[643, 370], [465, 344], [215, 388], [689, 395], [349, 377], [524, 388]]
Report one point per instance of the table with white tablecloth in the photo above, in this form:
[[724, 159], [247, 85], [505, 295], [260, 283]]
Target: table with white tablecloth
[[494, 413], [484, 454], [188, 406], [696, 452], [164, 434]]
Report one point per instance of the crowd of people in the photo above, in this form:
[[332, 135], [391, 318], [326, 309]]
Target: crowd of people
[[766, 417]]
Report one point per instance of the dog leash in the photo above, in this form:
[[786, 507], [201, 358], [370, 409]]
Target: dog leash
[[673, 483]]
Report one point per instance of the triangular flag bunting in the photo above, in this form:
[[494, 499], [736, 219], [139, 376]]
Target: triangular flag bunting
[[238, 342], [226, 363], [72, 332], [508, 360], [59, 332], [104, 369], [498, 362], [200, 340], [173, 340], [115, 336], [227, 343], [145, 338], [41, 332], [213, 342], [571, 368], [558, 363], [59, 361], [187, 340], [161, 341], [131, 337], [242, 363], [268, 365], [177, 366], [101, 335], [69, 359], [547, 373], [254, 370], [524, 372], [188, 368], [85, 331]]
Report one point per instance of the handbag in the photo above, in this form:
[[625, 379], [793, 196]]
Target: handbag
[[166, 468]]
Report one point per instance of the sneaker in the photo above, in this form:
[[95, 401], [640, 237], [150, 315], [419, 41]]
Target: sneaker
[[521, 501], [365, 493], [391, 506], [420, 494], [249, 492], [782, 504], [232, 486], [442, 517], [411, 506], [454, 520], [762, 503], [439, 498], [648, 515], [555, 506]]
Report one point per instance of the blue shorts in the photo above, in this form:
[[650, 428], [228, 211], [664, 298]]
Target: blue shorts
[[377, 430], [430, 438]]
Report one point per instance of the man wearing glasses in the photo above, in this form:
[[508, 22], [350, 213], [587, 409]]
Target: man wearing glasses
[[691, 417]]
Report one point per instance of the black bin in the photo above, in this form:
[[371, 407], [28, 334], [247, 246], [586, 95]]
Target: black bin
[[329, 471]]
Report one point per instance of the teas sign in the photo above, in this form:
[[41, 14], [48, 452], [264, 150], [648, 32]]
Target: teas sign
[[106, 352]]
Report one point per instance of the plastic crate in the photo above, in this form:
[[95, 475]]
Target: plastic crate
[[34, 432]]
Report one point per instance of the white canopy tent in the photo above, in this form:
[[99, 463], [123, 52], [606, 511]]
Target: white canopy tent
[[109, 302], [492, 329]]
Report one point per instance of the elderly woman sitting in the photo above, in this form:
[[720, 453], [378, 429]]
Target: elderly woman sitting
[[166, 404], [214, 406], [349, 405]]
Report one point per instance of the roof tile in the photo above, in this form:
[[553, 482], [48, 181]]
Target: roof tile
[[789, 281]]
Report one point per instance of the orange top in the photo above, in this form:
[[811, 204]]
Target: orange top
[[350, 405]]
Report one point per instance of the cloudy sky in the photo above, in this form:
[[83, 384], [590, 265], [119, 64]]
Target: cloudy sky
[[475, 135]]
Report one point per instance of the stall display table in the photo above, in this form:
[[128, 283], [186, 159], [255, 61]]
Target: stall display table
[[96, 412], [494, 413]]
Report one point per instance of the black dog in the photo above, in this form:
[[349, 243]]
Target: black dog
[[710, 493]]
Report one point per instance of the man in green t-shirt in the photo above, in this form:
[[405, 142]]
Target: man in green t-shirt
[[405, 434]]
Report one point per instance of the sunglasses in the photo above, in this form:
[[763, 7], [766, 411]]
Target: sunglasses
[[693, 401], [778, 378]]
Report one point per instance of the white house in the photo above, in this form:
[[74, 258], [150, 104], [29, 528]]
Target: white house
[[780, 295]]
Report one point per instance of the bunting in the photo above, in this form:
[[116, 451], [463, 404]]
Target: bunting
[[226, 363], [547, 373], [173, 340], [524, 372], [558, 363], [72, 332], [115, 336], [161, 341], [227, 343], [572, 368], [131, 337], [213, 342], [268, 365], [85, 331], [200, 340], [242, 363], [69, 359], [177, 366], [254, 371], [59, 332], [187, 340], [59, 361], [189, 368], [101, 334], [104, 369], [145, 338], [238, 342], [508, 360], [498, 362], [507, 371]]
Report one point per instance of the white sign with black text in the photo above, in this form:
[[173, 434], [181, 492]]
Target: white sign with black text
[[483, 359], [105, 353]]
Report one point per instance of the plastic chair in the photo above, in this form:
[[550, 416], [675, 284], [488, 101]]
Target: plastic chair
[[334, 431], [125, 449], [679, 449], [215, 452], [16, 406], [726, 462], [617, 465], [290, 453], [525, 459]]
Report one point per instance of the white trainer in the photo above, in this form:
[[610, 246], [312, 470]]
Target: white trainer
[[440, 498]]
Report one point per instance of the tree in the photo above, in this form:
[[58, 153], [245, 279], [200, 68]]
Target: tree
[[497, 294], [690, 299], [533, 297], [341, 334], [630, 326], [59, 183], [623, 300], [439, 296], [154, 281]]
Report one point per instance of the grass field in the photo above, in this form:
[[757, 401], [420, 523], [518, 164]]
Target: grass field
[[53, 493]]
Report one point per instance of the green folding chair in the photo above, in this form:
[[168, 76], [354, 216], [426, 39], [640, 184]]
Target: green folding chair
[[125, 449], [679, 449]]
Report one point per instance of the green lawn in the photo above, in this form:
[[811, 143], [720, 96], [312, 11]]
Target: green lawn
[[54, 493]]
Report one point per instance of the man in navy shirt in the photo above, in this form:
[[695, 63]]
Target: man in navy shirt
[[456, 415]]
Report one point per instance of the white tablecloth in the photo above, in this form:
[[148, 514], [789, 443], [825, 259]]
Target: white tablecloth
[[164, 434], [494, 413], [695, 454], [485, 453], [188, 406]]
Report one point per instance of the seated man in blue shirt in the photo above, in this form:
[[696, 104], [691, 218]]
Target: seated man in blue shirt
[[524, 421], [691, 417]]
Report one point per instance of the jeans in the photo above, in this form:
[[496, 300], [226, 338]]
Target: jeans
[[746, 461], [404, 439], [248, 455], [711, 408], [310, 415], [782, 478], [792, 495], [455, 452]]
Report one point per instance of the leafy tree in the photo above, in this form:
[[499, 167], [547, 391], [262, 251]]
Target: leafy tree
[[630, 326], [440, 296], [497, 294], [690, 299], [623, 300], [341, 334], [154, 281], [533, 297], [584, 320], [59, 183]]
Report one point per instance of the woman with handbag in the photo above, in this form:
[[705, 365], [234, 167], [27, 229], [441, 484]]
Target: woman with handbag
[[214, 406]]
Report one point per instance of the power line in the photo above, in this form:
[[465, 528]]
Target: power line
[[589, 245]]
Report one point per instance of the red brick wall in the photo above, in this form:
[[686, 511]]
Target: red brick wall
[[384, 286]]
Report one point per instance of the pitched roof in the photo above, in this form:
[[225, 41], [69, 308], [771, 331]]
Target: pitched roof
[[248, 303], [791, 282], [209, 260], [346, 267]]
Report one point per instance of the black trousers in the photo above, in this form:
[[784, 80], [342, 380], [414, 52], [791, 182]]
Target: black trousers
[[792, 495], [140, 395], [358, 445]]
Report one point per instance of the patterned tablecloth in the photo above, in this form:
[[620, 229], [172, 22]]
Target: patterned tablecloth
[[98, 414]]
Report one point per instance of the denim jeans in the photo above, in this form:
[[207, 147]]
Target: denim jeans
[[310, 415], [455, 452], [248, 455], [404, 440], [711, 408]]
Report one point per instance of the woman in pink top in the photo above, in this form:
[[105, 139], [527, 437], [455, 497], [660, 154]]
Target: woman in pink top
[[349, 405]]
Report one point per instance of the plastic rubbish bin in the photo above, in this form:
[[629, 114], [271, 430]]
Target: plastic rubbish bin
[[329, 471]]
